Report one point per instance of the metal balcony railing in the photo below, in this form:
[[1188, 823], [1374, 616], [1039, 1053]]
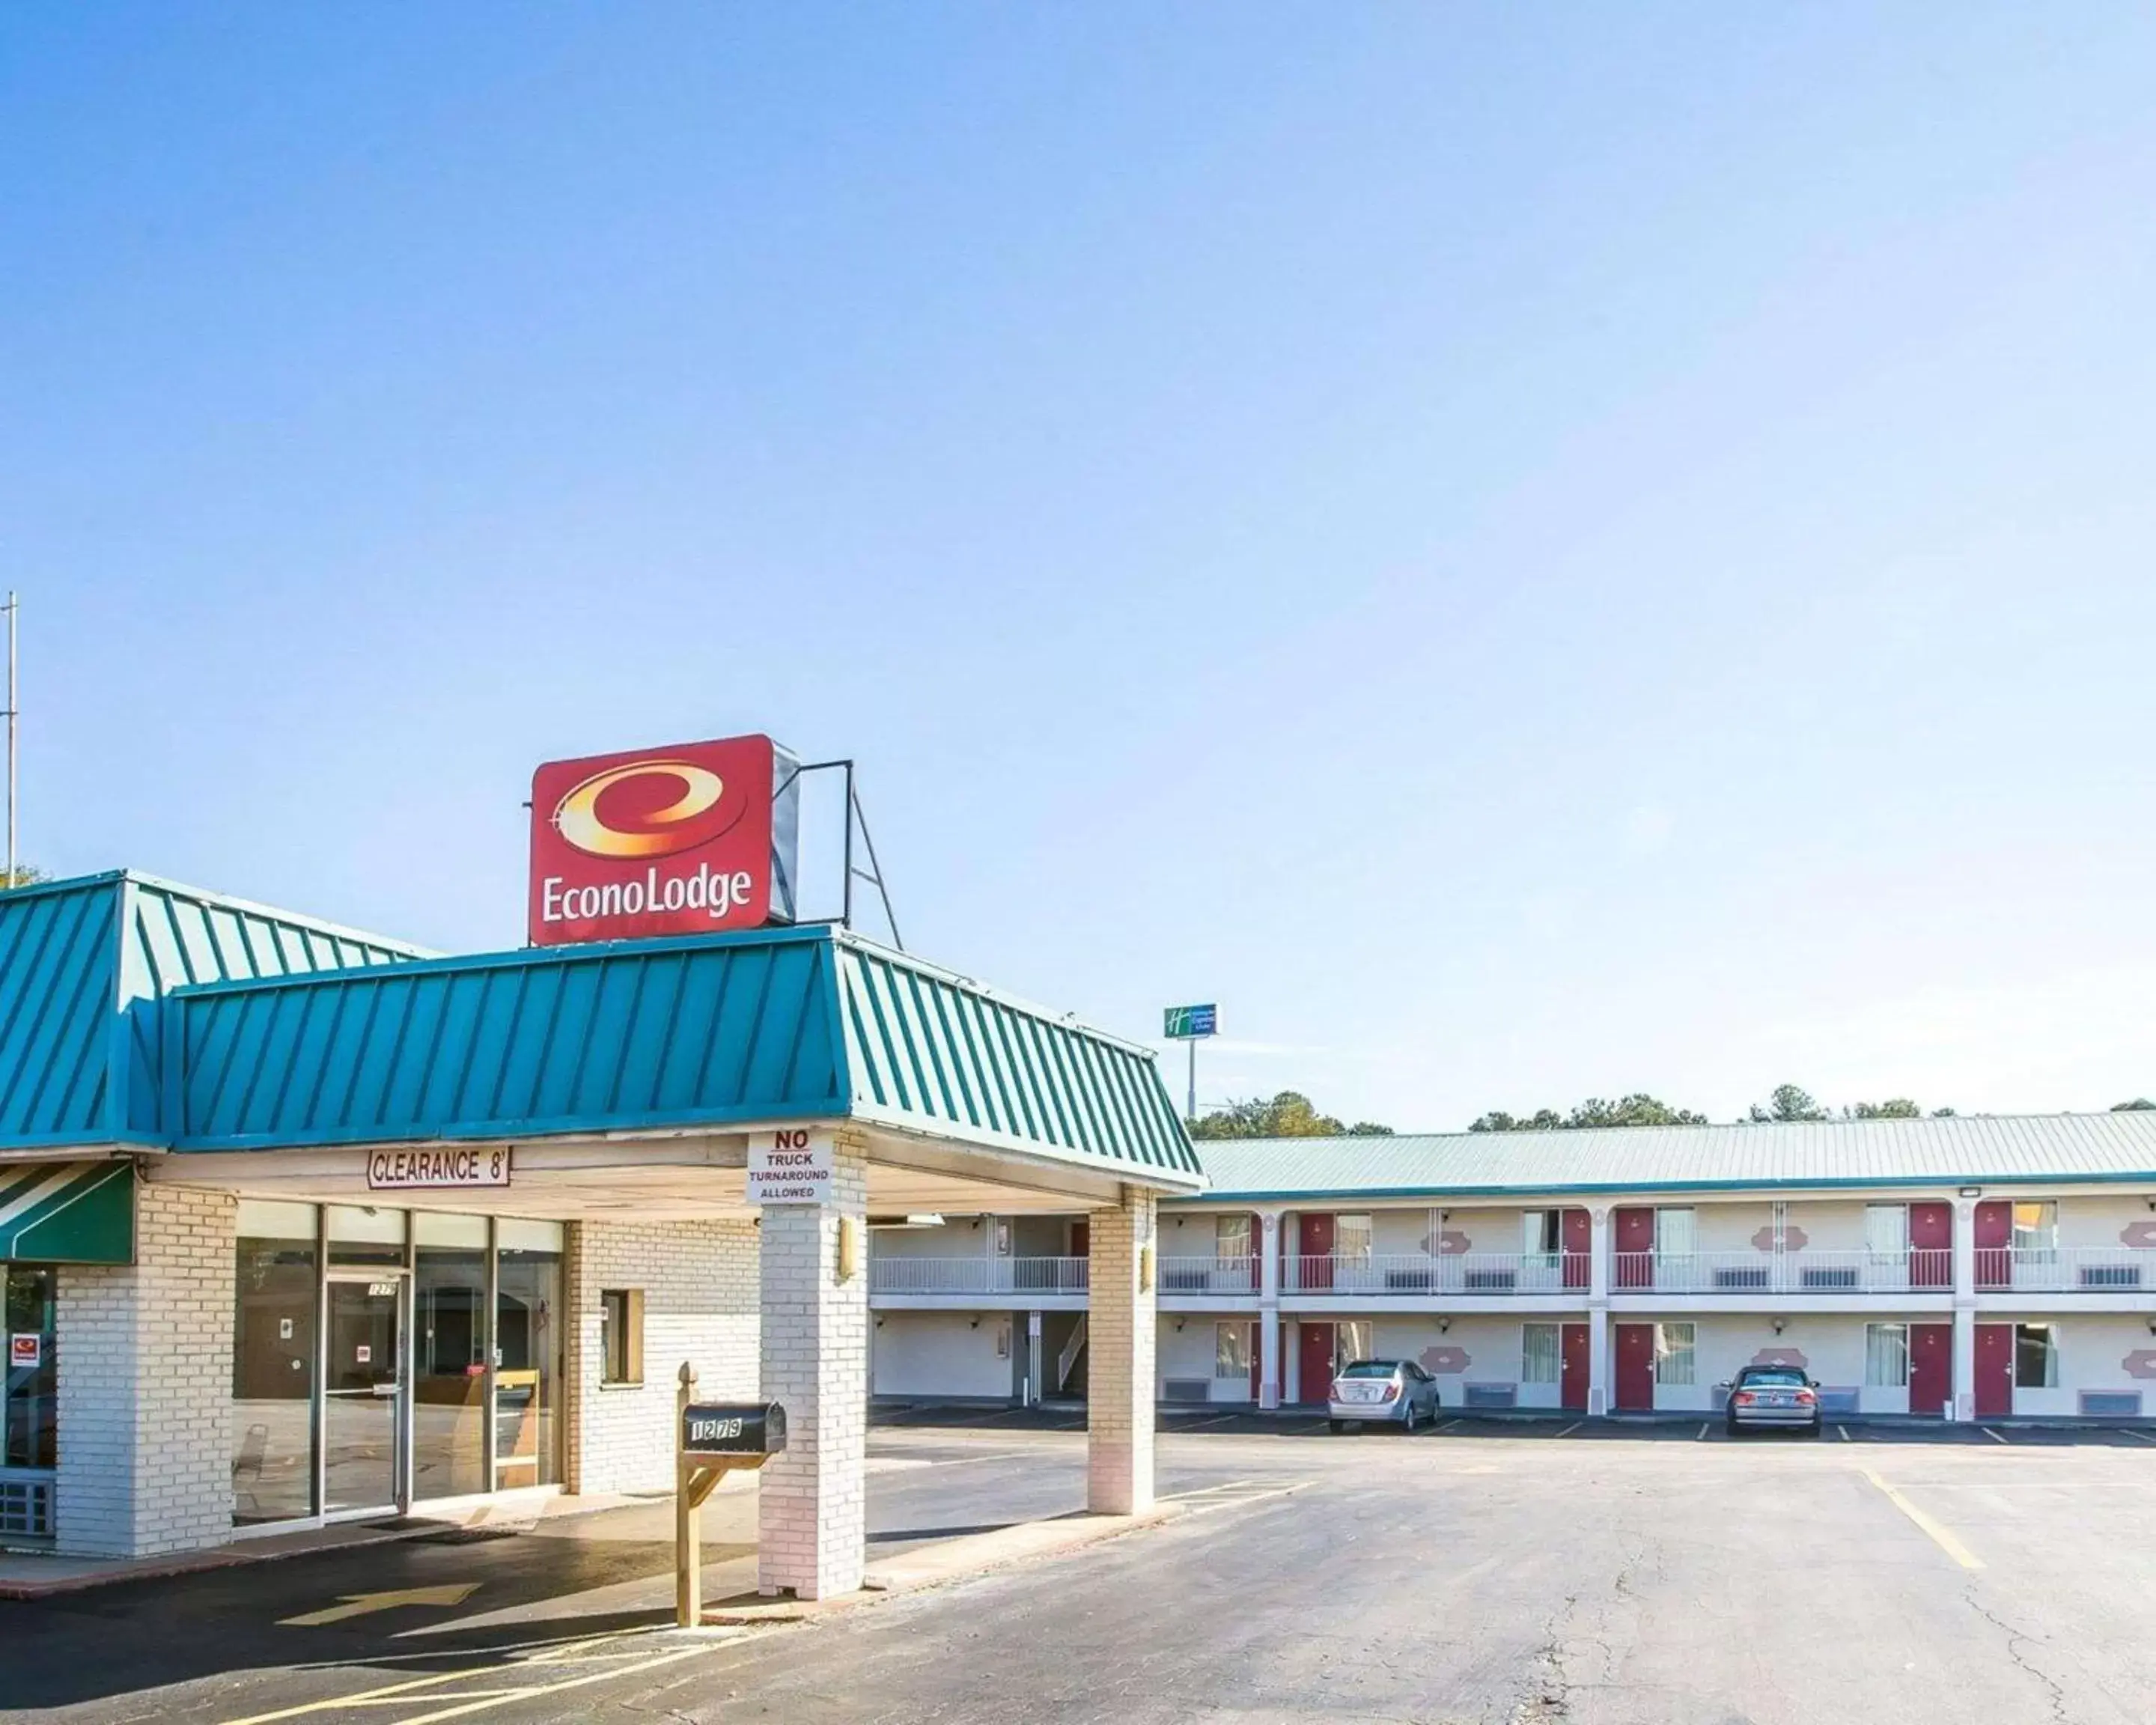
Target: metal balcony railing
[[1209, 1276], [2066, 1270], [1924, 1270], [1496, 1274], [976, 1275]]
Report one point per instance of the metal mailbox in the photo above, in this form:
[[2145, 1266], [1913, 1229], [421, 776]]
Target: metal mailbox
[[745, 1433]]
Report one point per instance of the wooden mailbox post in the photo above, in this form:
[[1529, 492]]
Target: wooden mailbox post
[[710, 1439]]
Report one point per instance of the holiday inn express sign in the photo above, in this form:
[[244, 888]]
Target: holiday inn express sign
[[675, 841]]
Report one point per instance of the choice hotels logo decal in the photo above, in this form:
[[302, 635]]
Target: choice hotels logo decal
[[687, 812]]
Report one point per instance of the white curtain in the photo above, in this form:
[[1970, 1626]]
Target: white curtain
[[1538, 1353], [1886, 1356]]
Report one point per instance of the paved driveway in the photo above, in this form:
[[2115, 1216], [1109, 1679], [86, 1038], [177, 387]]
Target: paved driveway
[[1643, 1576]]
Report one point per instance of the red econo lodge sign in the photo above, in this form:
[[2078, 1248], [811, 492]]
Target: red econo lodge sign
[[655, 841]]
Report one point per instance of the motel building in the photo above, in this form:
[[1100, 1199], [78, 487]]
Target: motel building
[[299, 1224], [1971, 1269]]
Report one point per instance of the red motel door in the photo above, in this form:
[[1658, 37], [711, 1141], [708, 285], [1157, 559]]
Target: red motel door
[[1635, 1368], [1316, 1266], [1316, 1362], [1081, 1239], [1994, 1245], [1572, 1375], [1635, 1234], [1931, 1367], [1931, 1247], [1257, 1356], [1994, 1371], [1579, 1238]]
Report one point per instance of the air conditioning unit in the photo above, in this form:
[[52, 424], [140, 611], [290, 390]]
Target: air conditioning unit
[[1187, 1389]]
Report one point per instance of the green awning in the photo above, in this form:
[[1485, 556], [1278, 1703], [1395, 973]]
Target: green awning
[[67, 1212]]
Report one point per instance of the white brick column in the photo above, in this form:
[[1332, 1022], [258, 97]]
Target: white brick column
[[1269, 1330], [1962, 1403], [813, 1509], [144, 1391], [1598, 1398], [1122, 1331]]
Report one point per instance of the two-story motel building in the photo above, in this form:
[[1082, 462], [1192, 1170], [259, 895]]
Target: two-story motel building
[[1978, 1268]]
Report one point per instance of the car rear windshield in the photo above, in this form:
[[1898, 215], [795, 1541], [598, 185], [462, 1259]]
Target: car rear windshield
[[1372, 1369], [1774, 1374]]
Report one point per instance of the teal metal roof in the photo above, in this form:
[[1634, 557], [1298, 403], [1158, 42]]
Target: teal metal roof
[[707, 1030], [82, 960], [1965, 1149]]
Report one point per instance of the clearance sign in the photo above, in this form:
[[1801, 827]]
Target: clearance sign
[[655, 841]]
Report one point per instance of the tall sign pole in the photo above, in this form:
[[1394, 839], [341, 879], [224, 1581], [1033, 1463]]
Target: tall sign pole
[[1191, 1024], [11, 609]]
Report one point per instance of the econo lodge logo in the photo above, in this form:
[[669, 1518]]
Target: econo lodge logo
[[661, 841], [655, 832]]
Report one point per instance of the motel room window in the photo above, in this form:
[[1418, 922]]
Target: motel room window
[[2036, 1355], [1538, 1353], [1886, 1356], [1351, 1238], [1542, 1235], [1231, 1241], [1886, 1230], [1676, 1235], [621, 1336], [1231, 1350], [2036, 1227], [1674, 1353], [1351, 1341]]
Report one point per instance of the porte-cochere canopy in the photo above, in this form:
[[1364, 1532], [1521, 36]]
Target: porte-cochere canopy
[[712, 1031]]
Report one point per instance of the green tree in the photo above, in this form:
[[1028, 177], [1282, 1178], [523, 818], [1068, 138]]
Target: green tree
[[1790, 1102], [1638, 1109], [25, 875], [1289, 1115], [1894, 1108]]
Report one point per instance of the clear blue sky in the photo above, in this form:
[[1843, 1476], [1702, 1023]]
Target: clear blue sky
[[1527, 551]]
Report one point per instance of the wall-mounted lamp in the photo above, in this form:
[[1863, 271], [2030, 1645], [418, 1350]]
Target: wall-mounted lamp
[[1179, 1327], [977, 1224], [1444, 1326], [976, 1323], [1969, 1192], [2151, 1326], [879, 1323], [1780, 1323]]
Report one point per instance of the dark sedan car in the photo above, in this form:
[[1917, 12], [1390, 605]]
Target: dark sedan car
[[1777, 1396]]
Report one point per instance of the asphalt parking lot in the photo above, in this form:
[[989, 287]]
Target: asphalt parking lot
[[1490, 1571]]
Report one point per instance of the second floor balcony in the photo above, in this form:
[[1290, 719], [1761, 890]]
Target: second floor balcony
[[976, 1275], [2065, 1269], [1493, 1273], [1913, 1271]]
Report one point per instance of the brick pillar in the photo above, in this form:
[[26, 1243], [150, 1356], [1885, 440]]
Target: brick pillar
[[145, 1413], [814, 1513], [1123, 1331]]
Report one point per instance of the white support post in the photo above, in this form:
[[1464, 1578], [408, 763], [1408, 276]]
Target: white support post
[[1963, 1400], [813, 1513], [1598, 1379], [1121, 1337], [1269, 1327]]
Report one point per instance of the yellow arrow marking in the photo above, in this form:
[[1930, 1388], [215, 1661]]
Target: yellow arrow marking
[[451, 1592]]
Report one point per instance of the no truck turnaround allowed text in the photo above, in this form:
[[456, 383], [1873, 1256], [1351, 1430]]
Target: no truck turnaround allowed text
[[715, 894], [405, 1170]]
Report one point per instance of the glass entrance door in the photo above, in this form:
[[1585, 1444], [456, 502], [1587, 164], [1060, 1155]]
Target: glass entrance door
[[363, 1379]]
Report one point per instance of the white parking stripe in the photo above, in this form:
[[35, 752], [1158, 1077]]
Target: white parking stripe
[[2134, 1432], [1706, 1428], [1577, 1424], [1843, 1430], [1995, 1437]]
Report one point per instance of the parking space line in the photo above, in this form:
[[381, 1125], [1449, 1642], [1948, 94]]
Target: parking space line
[[1450, 1423], [1193, 1424], [2132, 1432], [1574, 1426], [1996, 1436], [1843, 1432], [1938, 1535], [1705, 1426]]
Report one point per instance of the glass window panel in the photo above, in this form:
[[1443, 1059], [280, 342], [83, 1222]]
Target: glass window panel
[[430, 1228], [1886, 1229], [1886, 1356], [1231, 1239], [2036, 1226], [527, 1380], [1231, 1350], [265, 1218], [1351, 1238], [366, 1235], [1539, 1354], [1674, 1353], [274, 1296], [448, 1366], [2035, 1357], [29, 1412], [1539, 1233], [1674, 1233], [513, 1232], [1350, 1342]]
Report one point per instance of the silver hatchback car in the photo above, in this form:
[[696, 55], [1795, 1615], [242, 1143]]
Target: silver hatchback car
[[1398, 1392]]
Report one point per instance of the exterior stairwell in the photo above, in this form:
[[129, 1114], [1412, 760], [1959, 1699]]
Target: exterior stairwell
[[1067, 1361]]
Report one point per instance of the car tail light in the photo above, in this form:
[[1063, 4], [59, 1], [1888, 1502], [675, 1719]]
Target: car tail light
[[1392, 1393], [1743, 1398], [1807, 1395]]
